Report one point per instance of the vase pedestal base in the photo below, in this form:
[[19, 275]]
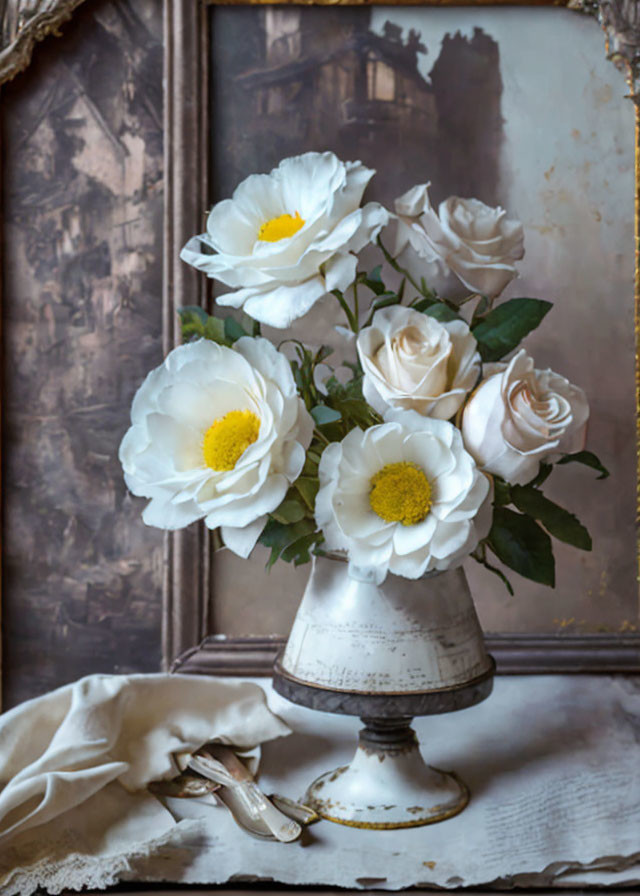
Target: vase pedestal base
[[387, 784]]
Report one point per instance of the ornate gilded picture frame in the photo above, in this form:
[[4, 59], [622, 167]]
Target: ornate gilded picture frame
[[200, 634]]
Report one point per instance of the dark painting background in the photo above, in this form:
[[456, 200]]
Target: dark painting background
[[82, 204]]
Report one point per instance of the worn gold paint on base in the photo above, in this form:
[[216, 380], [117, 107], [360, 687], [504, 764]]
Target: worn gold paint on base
[[392, 826]]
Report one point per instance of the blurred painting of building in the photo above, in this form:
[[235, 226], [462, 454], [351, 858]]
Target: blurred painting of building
[[467, 87], [287, 80]]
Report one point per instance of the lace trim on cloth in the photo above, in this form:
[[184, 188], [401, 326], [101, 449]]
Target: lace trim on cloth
[[21, 875]]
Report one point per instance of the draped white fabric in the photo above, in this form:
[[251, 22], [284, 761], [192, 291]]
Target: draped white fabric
[[74, 765]]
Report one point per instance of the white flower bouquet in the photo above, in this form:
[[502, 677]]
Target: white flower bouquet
[[437, 444]]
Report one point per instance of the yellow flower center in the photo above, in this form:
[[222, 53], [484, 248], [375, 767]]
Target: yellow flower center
[[400, 493], [281, 227], [228, 438]]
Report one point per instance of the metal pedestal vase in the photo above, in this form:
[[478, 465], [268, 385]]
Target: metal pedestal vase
[[385, 653]]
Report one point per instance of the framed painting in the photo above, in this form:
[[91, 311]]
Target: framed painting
[[82, 212], [518, 105]]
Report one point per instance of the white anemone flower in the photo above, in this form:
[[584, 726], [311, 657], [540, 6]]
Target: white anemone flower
[[217, 434], [288, 238], [403, 497]]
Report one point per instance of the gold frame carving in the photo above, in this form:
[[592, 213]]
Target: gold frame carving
[[189, 616], [22, 24]]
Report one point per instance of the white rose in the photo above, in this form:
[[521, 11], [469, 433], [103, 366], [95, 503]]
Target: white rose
[[403, 497], [520, 416], [216, 434], [466, 238], [414, 362], [271, 239]]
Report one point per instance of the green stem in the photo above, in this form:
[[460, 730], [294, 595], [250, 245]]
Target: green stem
[[319, 435], [394, 264], [349, 313], [356, 310], [480, 556]]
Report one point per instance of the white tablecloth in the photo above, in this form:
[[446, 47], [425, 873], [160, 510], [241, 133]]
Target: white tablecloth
[[553, 765]]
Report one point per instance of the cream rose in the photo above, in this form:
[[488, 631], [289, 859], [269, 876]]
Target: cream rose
[[412, 361], [473, 242], [520, 416], [286, 239]]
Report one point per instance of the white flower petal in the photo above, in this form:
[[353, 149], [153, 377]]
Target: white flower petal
[[520, 416], [340, 271], [278, 306], [475, 242], [169, 515], [162, 452], [413, 362], [278, 281], [374, 218], [459, 494], [243, 540]]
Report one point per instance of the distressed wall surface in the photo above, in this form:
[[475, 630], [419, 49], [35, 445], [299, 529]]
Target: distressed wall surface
[[82, 183]]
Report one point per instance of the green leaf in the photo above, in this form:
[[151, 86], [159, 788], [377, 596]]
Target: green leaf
[[543, 474], [189, 312], [501, 492], [374, 281], [441, 312], [298, 551], [308, 487], [192, 321], [589, 459], [323, 352], [214, 329], [386, 299], [290, 511], [505, 327], [278, 536], [322, 414], [312, 460], [556, 520], [423, 304], [520, 543], [233, 330], [196, 322], [339, 391]]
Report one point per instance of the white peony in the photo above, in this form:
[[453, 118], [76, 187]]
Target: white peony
[[414, 362], [287, 238], [216, 434], [520, 416], [403, 496], [469, 246]]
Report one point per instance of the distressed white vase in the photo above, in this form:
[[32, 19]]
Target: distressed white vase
[[402, 636], [385, 652]]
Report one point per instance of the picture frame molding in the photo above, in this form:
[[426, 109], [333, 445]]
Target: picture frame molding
[[189, 601]]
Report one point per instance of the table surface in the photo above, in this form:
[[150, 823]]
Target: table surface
[[553, 766]]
